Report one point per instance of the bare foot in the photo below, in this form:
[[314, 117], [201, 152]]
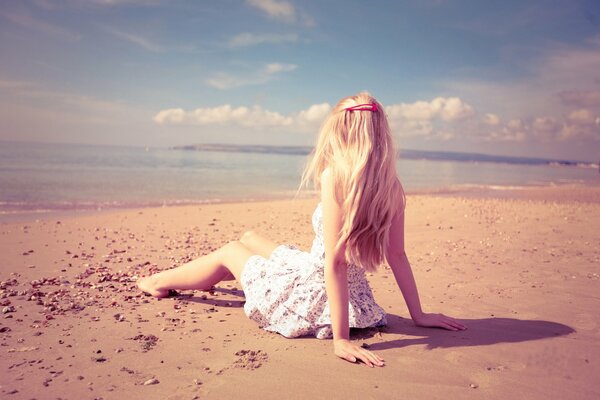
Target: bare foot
[[149, 285]]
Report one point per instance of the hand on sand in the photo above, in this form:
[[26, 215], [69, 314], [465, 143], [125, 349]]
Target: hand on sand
[[438, 321], [348, 351], [148, 285]]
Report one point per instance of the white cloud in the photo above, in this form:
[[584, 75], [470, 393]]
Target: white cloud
[[282, 10], [275, 68], [441, 119], [314, 114], [579, 132], [224, 81], [448, 109], [136, 39], [452, 109], [429, 118], [170, 116], [254, 117], [491, 119], [544, 126], [433, 119], [582, 117], [579, 126], [276, 9], [269, 72], [419, 110], [250, 39]]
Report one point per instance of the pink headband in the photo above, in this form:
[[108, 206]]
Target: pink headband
[[363, 107]]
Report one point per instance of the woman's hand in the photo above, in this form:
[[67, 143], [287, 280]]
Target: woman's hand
[[438, 321], [348, 351]]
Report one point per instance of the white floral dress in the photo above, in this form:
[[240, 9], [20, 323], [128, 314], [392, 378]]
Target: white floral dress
[[286, 292]]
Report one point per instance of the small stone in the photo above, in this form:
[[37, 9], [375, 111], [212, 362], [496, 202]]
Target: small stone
[[473, 386], [197, 382], [119, 317], [8, 309], [152, 381]]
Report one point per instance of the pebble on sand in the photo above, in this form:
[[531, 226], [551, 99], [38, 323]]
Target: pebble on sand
[[152, 381]]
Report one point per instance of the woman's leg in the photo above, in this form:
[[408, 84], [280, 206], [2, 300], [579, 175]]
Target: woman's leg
[[201, 273], [258, 244]]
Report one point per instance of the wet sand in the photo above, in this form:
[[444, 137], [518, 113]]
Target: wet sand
[[522, 271]]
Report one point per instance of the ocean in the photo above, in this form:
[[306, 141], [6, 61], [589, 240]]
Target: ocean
[[43, 178]]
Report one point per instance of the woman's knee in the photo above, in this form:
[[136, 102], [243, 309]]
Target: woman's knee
[[247, 237], [233, 257], [233, 246]]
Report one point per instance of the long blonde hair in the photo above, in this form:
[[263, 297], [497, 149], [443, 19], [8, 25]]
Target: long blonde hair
[[358, 148]]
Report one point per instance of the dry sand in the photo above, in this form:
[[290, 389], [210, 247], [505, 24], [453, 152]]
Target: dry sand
[[523, 272]]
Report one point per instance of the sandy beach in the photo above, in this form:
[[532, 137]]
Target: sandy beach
[[522, 271]]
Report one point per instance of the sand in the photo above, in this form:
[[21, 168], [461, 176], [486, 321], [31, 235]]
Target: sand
[[522, 271]]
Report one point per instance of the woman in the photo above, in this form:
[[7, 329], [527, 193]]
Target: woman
[[359, 225]]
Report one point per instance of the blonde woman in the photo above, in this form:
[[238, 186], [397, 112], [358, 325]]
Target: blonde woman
[[359, 225]]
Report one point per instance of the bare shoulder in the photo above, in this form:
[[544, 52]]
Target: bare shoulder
[[327, 185], [327, 176], [400, 202], [328, 194], [396, 233]]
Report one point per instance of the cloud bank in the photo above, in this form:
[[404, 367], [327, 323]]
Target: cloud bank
[[248, 117], [442, 118]]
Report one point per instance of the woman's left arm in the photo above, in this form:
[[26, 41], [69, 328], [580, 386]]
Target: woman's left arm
[[398, 261]]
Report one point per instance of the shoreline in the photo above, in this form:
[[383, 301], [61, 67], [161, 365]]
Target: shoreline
[[578, 192]]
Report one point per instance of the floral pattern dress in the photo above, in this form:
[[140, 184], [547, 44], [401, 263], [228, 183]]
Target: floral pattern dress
[[286, 292]]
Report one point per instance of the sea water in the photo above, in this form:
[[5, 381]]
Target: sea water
[[43, 177]]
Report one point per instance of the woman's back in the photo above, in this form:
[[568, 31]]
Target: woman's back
[[356, 151]]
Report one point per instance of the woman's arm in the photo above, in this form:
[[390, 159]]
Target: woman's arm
[[336, 278], [336, 274], [398, 261]]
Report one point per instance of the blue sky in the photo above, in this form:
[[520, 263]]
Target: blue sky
[[512, 77]]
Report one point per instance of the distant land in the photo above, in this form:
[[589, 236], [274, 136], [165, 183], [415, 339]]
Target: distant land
[[405, 154]]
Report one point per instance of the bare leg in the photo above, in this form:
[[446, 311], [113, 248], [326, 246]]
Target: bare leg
[[201, 273], [258, 244]]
